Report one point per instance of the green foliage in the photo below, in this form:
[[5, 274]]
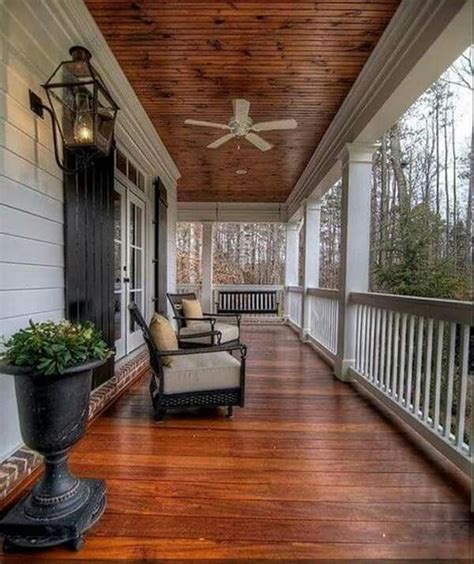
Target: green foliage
[[415, 268], [51, 347]]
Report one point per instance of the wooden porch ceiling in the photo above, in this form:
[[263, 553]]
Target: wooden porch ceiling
[[289, 59]]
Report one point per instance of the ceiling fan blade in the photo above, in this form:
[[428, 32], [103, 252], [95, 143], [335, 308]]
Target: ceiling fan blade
[[241, 109], [258, 141], [220, 141], [273, 125], [206, 123]]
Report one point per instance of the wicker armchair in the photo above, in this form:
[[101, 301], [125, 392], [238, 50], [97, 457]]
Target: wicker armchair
[[188, 333], [199, 377]]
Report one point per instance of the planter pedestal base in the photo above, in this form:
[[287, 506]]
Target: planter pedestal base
[[22, 531]]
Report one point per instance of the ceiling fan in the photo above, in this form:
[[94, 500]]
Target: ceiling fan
[[242, 126]]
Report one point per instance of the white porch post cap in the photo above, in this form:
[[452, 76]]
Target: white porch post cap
[[292, 226], [313, 203], [358, 152]]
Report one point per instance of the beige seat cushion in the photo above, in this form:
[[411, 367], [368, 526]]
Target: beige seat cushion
[[202, 372], [192, 308], [229, 332], [164, 337]]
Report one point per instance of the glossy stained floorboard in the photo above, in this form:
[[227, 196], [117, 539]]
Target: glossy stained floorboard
[[308, 469]]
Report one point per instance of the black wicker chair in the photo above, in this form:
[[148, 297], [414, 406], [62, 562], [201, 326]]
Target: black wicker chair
[[230, 334], [164, 399]]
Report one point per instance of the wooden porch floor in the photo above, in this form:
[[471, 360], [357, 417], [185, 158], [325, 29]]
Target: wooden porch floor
[[308, 469]]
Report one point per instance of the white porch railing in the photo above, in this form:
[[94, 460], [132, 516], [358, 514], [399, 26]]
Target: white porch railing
[[323, 314], [413, 353], [294, 304]]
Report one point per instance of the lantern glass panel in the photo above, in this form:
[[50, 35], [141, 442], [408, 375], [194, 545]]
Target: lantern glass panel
[[105, 119], [71, 95]]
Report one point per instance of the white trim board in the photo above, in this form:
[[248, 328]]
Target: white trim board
[[420, 42], [232, 211]]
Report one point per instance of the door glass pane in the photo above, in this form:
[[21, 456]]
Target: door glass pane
[[132, 227], [136, 219], [132, 173], [117, 317], [137, 265], [138, 233], [135, 297], [118, 266], [117, 216], [122, 162], [132, 269], [132, 327], [141, 181]]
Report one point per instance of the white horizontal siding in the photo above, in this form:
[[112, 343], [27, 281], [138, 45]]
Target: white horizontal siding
[[30, 174], [26, 302], [34, 37], [28, 148], [26, 251], [29, 276], [15, 109], [24, 224], [13, 324], [31, 193], [28, 199]]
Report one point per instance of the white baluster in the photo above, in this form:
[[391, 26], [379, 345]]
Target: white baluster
[[401, 373], [396, 344], [450, 382], [411, 337], [428, 367], [383, 331], [419, 360], [462, 396], [439, 370], [389, 353]]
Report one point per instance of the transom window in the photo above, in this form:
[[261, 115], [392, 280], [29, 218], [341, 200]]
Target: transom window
[[130, 170]]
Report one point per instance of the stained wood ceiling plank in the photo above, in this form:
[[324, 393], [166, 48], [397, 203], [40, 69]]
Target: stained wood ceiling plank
[[289, 59]]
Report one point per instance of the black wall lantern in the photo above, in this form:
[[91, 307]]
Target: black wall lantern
[[81, 108]]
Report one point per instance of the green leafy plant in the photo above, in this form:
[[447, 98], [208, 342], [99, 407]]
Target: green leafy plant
[[51, 348]]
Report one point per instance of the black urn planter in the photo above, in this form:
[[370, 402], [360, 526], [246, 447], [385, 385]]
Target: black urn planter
[[53, 412]]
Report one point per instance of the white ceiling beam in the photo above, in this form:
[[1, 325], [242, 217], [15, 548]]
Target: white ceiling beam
[[232, 212]]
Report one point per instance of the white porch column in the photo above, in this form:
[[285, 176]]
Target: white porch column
[[207, 265], [311, 226], [355, 245], [292, 254]]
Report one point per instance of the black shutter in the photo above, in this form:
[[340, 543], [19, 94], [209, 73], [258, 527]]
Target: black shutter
[[161, 246], [89, 250]]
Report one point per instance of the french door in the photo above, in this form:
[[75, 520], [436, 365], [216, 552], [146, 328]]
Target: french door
[[129, 257]]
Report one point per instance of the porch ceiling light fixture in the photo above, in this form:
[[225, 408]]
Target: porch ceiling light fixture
[[82, 110]]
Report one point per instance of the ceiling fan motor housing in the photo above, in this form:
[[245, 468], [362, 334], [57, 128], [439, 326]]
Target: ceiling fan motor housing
[[240, 129]]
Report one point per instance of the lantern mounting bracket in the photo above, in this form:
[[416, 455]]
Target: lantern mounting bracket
[[36, 104]]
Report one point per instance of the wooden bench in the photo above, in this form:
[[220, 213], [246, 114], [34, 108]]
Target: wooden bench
[[247, 301]]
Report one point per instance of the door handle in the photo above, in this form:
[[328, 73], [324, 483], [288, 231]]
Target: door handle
[[126, 280]]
